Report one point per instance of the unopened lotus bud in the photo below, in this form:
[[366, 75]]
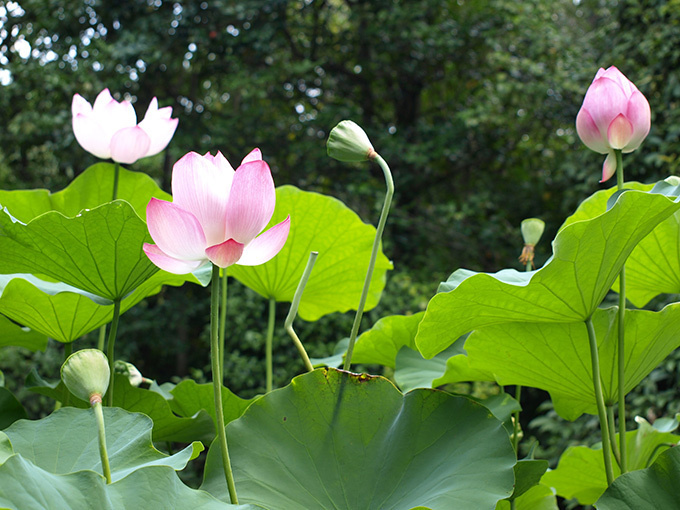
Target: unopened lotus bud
[[130, 371], [86, 374], [532, 230], [349, 143]]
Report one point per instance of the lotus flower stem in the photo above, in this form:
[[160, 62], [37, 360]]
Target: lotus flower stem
[[612, 434], [101, 342], [110, 348], [116, 174], [68, 350], [515, 425], [374, 253], [96, 403], [622, 337], [601, 411], [288, 324], [217, 381], [223, 322], [268, 345]]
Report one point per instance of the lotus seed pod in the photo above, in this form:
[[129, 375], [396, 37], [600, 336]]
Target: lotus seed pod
[[349, 143], [532, 230], [86, 373]]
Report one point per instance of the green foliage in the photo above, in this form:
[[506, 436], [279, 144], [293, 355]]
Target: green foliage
[[333, 434]]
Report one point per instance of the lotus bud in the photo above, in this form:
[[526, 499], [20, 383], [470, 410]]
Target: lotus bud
[[532, 230], [86, 374], [349, 143]]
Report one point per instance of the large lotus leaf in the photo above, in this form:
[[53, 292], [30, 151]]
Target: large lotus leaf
[[382, 342], [67, 441], [653, 488], [65, 313], [653, 267], [539, 497], [588, 256], [6, 450], [189, 398], [580, 473], [13, 334], [413, 371], [556, 357], [98, 251], [323, 224], [333, 439], [24, 485], [90, 189], [11, 409]]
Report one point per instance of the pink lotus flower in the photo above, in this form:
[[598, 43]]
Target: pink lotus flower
[[216, 215], [109, 129], [614, 115]]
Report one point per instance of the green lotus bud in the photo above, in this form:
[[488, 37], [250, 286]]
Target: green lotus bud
[[349, 143], [532, 230], [86, 374]]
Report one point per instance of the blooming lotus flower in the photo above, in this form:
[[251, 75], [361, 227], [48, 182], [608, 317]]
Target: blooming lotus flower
[[109, 129], [216, 215], [614, 115]]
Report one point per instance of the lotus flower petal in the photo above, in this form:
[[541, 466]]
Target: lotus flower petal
[[620, 132], [225, 254], [254, 155], [129, 144], [609, 166], [265, 246], [159, 126], [251, 203], [176, 232], [169, 264]]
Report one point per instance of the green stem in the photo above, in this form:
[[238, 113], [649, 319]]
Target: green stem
[[217, 382], [515, 427], [374, 254], [110, 348], [601, 411], [116, 173], [622, 336], [102, 338], [68, 350], [268, 345], [96, 403], [294, 308], [612, 434], [223, 322]]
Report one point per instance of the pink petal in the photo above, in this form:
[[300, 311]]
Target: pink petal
[[639, 114], [80, 105], [620, 132], [202, 187], [604, 100], [254, 155], [89, 134], [113, 115], [169, 264], [177, 232], [225, 254], [220, 162], [160, 132], [589, 133], [102, 100], [609, 167], [251, 202], [265, 246], [129, 144]]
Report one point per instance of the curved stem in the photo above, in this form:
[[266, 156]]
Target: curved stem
[[96, 403], [268, 345], [612, 434], [621, 342], [217, 382], [601, 411], [110, 348], [371, 264], [288, 324], [223, 322], [116, 173]]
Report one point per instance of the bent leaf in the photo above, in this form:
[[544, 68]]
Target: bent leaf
[[326, 225], [588, 256], [13, 334]]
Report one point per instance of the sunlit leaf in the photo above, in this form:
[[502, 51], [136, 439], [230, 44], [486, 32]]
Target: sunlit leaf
[[323, 224], [13, 334], [587, 258], [328, 440]]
